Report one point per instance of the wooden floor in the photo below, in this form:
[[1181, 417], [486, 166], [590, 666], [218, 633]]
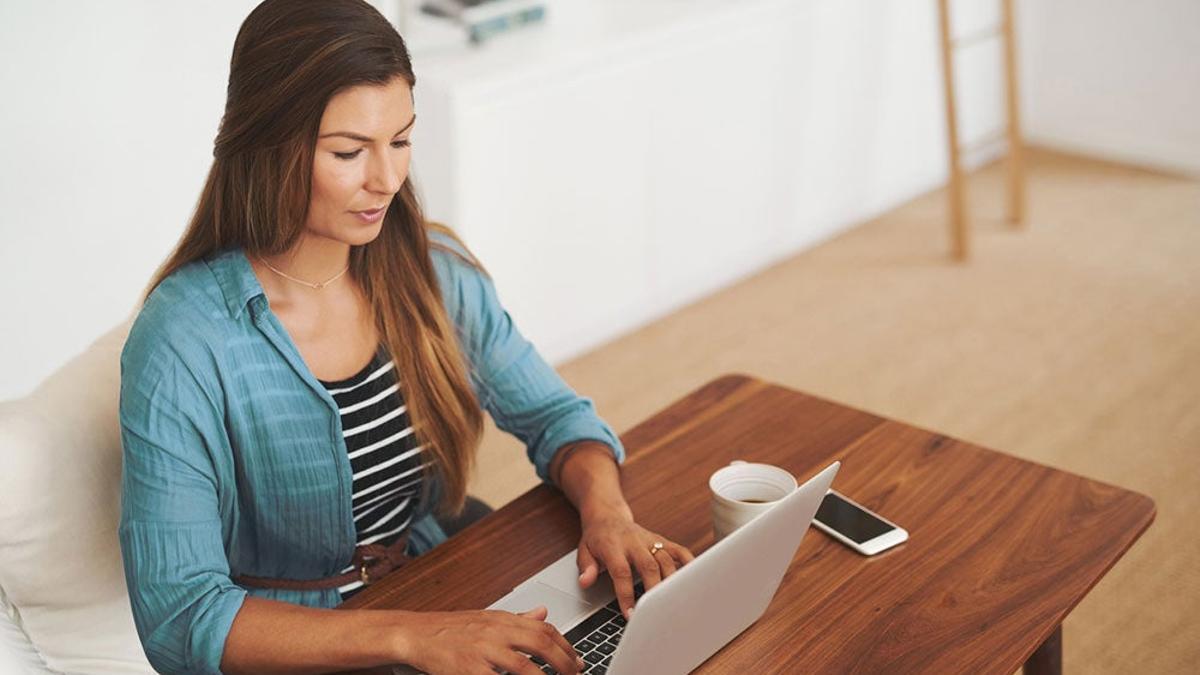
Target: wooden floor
[[1074, 342]]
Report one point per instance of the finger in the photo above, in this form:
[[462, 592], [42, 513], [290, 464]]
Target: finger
[[537, 613], [544, 640], [562, 643], [680, 553], [666, 562], [543, 626], [589, 570], [622, 578], [647, 566], [509, 661]]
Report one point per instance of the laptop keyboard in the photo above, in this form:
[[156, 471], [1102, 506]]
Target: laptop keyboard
[[596, 638]]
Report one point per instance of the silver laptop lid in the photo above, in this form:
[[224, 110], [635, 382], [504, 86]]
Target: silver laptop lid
[[696, 611]]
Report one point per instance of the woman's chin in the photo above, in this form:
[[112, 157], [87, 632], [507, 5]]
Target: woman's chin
[[359, 234]]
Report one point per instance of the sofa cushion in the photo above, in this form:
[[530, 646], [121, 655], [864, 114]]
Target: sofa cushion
[[60, 475], [17, 653]]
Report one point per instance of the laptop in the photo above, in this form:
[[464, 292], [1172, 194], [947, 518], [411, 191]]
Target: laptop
[[685, 619]]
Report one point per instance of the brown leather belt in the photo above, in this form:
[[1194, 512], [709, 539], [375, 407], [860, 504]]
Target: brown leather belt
[[371, 562]]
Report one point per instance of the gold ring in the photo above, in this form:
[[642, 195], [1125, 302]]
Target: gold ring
[[658, 546]]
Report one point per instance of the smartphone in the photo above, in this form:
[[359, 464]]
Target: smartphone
[[857, 527]]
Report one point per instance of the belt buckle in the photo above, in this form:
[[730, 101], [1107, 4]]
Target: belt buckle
[[363, 574]]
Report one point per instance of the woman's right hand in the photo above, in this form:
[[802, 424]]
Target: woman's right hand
[[483, 642]]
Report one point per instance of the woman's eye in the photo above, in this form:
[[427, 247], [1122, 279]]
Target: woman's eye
[[403, 143]]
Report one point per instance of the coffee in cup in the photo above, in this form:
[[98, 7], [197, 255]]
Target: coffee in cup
[[742, 491]]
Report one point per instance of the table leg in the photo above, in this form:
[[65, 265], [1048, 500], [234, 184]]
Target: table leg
[[1046, 659]]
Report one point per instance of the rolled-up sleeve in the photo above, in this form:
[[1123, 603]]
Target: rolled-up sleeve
[[176, 568], [522, 393]]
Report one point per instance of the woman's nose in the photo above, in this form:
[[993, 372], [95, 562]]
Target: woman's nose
[[386, 174]]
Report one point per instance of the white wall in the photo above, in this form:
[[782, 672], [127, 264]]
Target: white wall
[[108, 111], [1114, 79], [106, 127]]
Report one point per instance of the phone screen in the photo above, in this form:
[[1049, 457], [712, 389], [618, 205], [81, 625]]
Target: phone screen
[[851, 521]]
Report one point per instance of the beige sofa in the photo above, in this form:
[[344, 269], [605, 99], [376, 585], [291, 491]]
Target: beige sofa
[[63, 602]]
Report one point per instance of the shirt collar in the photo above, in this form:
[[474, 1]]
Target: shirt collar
[[237, 281]]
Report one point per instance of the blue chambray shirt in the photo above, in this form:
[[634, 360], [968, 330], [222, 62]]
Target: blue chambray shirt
[[234, 459]]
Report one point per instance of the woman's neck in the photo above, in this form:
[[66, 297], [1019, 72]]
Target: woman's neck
[[312, 259]]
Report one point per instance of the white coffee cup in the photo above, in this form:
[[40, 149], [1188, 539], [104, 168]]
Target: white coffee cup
[[742, 491]]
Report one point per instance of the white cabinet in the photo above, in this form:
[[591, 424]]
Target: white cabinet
[[630, 157]]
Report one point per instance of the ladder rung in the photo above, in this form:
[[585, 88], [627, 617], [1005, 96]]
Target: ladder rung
[[989, 140], [978, 36]]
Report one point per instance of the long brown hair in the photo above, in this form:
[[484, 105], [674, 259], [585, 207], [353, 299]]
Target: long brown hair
[[289, 59]]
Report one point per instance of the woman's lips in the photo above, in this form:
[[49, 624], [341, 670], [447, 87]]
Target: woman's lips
[[370, 216]]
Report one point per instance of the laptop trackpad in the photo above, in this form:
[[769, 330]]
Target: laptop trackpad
[[563, 575], [565, 610]]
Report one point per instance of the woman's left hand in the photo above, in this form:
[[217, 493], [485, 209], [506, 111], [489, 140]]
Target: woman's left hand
[[615, 542]]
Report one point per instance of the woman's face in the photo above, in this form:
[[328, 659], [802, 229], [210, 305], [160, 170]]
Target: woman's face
[[362, 157]]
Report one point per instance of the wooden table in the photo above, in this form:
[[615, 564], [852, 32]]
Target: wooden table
[[1000, 549]]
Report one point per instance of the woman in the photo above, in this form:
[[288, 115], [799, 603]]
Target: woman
[[268, 472]]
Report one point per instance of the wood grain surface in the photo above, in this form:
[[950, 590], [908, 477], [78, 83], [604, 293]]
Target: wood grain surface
[[1000, 549]]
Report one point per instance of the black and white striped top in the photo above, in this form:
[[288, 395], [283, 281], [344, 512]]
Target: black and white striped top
[[385, 459]]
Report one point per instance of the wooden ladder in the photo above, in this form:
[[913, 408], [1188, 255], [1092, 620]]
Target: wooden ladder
[[959, 232]]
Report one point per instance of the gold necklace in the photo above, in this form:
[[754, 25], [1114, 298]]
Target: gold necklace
[[315, 286]]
